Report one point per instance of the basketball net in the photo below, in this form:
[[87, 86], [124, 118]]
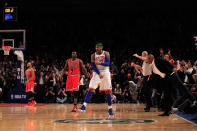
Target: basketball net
[[6, 49]]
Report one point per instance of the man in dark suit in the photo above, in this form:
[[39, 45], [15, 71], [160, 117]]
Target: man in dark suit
[[164, 69], [52, 88]]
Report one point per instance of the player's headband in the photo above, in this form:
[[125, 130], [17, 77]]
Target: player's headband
[[99, 44]]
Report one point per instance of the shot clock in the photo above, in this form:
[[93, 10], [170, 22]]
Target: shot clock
[[10, 14]]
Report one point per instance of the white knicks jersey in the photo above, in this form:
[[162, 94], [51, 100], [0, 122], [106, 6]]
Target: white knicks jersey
[[101, 58]]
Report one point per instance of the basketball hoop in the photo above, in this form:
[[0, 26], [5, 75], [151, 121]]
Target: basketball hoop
[[6, 49]]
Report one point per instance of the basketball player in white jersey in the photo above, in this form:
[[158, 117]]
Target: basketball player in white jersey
[[100, 61]]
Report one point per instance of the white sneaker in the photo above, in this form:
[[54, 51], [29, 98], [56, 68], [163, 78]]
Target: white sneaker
[[174, 110], [194, 103], [110, 117], [82, 108]]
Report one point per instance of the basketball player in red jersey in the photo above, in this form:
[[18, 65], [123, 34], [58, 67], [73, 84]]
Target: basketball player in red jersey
[[30, 75], [72, 84]]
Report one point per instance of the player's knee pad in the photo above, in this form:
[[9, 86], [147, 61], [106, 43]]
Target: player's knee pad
[[76, 94]]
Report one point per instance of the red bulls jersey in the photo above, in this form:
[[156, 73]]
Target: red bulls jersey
[[73, 67], [29, 74]]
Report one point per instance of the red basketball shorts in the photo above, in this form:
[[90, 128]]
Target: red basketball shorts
[[30, 86], [72, 83]]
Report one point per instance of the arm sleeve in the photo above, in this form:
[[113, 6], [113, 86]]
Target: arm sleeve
[[107, 62], [95, 68]]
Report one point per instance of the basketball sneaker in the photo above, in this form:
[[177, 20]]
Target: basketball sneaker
[[33, 103], [82, 108], [174, 110], [29, 104], [110, 117], [74, 109]]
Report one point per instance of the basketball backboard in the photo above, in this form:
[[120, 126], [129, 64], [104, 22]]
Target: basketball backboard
[[14, 38]]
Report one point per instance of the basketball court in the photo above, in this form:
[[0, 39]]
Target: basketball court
[[64, 30], [57, 117]]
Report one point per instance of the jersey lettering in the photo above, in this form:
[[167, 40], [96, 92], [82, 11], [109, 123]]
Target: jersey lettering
[[73, 67]]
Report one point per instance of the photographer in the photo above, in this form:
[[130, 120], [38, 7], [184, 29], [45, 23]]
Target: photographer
[[127, 95]]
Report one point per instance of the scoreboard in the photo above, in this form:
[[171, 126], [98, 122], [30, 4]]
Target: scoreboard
[[10, 14]]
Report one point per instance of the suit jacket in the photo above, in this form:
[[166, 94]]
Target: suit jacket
[[38, 80], [164, 66], [50, 83]]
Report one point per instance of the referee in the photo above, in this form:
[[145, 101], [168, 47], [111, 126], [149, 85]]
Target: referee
[[146, 70]]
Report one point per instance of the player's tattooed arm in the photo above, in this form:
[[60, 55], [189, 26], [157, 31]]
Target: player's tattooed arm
[[83, 68], [107, 55]]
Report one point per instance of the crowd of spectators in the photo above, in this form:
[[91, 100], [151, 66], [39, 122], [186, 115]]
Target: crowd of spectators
[[126, 80]]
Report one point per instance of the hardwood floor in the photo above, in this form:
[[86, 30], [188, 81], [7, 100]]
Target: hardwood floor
[[58, 117]]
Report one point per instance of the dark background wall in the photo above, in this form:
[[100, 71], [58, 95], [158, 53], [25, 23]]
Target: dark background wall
[[58, 26]]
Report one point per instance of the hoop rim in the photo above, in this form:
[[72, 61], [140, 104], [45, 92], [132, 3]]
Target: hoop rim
[[6, 49]]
